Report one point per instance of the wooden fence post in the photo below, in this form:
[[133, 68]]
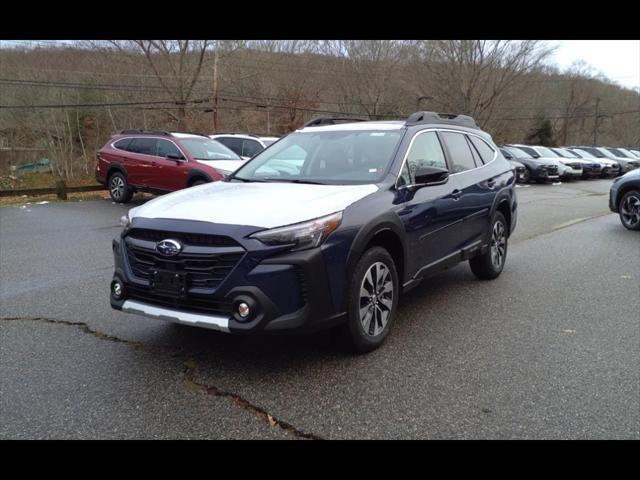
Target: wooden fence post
[[61, 190]]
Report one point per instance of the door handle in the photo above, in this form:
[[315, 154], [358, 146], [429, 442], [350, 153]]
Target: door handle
[[456, 194]]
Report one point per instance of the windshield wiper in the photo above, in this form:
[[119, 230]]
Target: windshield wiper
[[216, 158], [248, 180], [293, 180]]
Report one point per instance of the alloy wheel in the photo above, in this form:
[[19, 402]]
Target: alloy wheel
[[376, 299], [630, 210], [117, 187], [498, 244]]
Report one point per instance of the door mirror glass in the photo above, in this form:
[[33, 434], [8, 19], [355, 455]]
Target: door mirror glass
[[431, 175]]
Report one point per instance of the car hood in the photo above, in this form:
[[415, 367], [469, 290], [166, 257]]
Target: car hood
[[265, 205], [226, 165]]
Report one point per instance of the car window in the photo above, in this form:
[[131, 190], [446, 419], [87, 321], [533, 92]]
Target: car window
[[474, 153], [486, 152], [529, 150], [425, 151], [234, 144], [461, 158], [203, 148], [122, 144], [145, 146], [165, 147], [250, 148]]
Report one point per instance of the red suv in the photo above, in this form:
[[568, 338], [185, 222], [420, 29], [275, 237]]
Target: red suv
[[160, 162]]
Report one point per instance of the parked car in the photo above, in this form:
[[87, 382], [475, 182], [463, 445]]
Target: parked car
[[610, 168], [568, 169], [624, 199], [590, 168], [629, 153], [538, 169], [244, 145], [160, 162], [635, 152], [522, 174], [365, 211], [626, 164]]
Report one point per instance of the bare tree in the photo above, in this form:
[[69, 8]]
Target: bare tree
[[472, 76]]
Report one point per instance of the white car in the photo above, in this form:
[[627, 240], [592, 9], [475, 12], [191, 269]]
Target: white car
[[245, 145], [564, 171], [626, 164]]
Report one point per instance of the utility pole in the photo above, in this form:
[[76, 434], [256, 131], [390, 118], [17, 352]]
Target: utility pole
[[595, 123], [215, 89]]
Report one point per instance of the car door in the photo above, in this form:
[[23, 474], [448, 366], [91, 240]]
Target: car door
[[476, 185], [139, 163], [430, 214], [168, 173]]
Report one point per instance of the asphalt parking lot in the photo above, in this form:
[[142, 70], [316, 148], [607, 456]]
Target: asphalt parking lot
[[550, 349]]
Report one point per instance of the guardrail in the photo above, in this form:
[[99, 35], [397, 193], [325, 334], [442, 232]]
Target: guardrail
[[61, 189]]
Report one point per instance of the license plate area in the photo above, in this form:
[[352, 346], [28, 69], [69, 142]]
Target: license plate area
[[169, 283]]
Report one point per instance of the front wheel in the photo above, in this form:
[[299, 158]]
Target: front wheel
[[526, 176], [630, 210], [373, 300], [490, 264]]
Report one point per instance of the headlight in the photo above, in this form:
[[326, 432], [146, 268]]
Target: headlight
[[124, 221], [301, 235]]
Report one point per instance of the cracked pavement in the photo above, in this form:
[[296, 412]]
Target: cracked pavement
[[550, 349]]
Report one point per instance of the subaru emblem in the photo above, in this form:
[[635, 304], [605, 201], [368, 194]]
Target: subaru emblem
[[168, 247]]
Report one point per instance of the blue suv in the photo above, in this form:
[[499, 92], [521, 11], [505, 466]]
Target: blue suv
[[326, 227]]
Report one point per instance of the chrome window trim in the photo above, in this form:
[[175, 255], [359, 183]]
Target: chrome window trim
[[113, 145], [406, 155]]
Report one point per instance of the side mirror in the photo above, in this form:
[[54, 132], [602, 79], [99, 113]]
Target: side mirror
[[431, 176], [173, 156]]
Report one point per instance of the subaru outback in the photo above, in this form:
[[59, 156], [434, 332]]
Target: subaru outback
[[325, 228], [160, 162]]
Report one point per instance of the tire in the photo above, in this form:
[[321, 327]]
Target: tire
[[198, 181], [372, 308], [629, 208], [490, 264], [119, 188]]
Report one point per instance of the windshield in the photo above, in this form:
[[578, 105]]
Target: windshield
[[618, 153], [329, 157], [517, 153], [529, 150], [565, 152], [206, 149], [585, 154], [547, 152]]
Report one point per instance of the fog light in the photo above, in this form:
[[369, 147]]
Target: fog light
[[117, 289], [243, 310]]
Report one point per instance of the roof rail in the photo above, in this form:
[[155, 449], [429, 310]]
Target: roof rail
[[237, 133], [319, 121], [141, 131], [418, 118]]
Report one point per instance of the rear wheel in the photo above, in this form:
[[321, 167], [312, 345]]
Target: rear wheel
[[630, 210], [119, 188], [373, 299], [490, 264]]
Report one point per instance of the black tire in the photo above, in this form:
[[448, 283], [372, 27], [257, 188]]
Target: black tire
[[382, 301], [490, 264], [629, 209], [119, 188], [198, 181]]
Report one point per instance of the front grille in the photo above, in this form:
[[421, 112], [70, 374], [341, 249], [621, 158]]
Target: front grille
[[193, 303], [551, 169], [205, 261], [186, 238]]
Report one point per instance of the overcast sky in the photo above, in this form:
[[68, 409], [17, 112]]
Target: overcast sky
[[617, 59]]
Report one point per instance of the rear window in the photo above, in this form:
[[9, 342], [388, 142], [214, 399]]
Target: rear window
[[459, 151], [487, 153], [122, 144], [144, 146]]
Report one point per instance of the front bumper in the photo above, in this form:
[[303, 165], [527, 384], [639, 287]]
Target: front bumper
[[285, 290]]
